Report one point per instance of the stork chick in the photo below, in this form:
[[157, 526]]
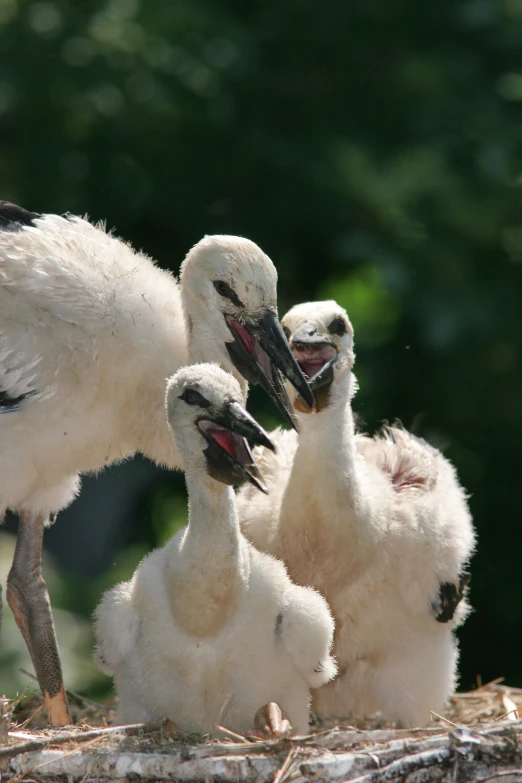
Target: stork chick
[[380, 526], [208, 620], [89, 332]]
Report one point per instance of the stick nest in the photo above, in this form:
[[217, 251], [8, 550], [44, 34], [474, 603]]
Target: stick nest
[[477, 738]]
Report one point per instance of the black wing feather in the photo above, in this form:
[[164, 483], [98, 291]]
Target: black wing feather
[[11, 404], [449, 597], [14, 218]]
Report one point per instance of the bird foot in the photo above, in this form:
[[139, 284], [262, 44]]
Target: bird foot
[[270, 723], [170, 729], [56, 708]]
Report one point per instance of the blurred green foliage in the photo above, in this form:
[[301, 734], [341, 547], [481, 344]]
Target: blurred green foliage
[[373, 149]]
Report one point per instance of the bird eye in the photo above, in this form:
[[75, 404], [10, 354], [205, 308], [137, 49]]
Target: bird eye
[[192, 397], [338, 326], [287, 332], [224, 290]]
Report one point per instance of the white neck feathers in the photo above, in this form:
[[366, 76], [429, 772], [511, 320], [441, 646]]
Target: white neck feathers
[[323, 490], [205, 583]]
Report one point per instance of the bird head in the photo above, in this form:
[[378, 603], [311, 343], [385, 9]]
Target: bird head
[[229, 289], [321, 340], [211, 426]]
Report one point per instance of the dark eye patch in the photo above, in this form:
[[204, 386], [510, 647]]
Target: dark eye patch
[[193, 397], [224, 290], [338, 326]]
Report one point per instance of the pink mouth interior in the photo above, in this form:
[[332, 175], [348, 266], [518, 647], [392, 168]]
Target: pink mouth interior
[[244, 334], [311, 359], [233, 444], [261, 358]]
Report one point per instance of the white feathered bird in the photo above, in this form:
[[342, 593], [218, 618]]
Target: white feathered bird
[[207, 620], [380, 526], [89, 332]]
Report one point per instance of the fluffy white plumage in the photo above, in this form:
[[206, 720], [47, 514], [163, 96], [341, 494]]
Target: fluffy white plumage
[[380, 526], [90, 330], [208, 616]]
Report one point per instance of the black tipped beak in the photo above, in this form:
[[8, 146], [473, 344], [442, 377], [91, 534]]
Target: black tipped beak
[[228, 454], [237, 419], [271, 338], [323, 377], [316, 355], [262, 355]]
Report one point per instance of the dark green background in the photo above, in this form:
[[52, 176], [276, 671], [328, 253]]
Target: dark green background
[[373, 150]]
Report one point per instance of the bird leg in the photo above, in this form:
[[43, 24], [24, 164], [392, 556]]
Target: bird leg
[[2, 518], [29, 600], [270, 723]]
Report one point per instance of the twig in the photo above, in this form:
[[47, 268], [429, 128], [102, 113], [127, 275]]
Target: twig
[[23, 775], [224, 708], [402, 767], [69, 692], [4, 723], [78, 696], [514, 711], [28, 674], [29, 719], [445, 719], [488, 684], [233, 734], [36, 743], [286, 766], [26, 779]]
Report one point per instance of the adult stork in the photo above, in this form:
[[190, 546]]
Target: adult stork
[[90, 330]]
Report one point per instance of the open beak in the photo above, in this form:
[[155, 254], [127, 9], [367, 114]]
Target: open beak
[[228, 454], [261, 353], [315, 355]]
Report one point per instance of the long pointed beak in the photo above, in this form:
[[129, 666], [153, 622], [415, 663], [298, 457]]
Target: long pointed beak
[[229, 457], [271, 338], [237, 419], [261, 353], [316, 355]]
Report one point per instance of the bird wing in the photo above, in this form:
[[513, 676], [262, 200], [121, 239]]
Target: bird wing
[[305, 627], [41, 311], [450, 595], [410, 462], [68, 288], [116, 628], [429, 497], [258, 513]]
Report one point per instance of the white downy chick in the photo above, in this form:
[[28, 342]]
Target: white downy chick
[[380, 526], [208, 620]]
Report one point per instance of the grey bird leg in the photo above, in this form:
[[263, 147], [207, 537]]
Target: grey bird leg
[[2, 517], [29, 600]]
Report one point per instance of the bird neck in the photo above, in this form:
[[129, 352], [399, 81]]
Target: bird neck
[[205, 584], [206, 339], [150, 425], [204, 346], [213, 519], [158, 346], [324, 479], [333, 427], [332, 432]]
